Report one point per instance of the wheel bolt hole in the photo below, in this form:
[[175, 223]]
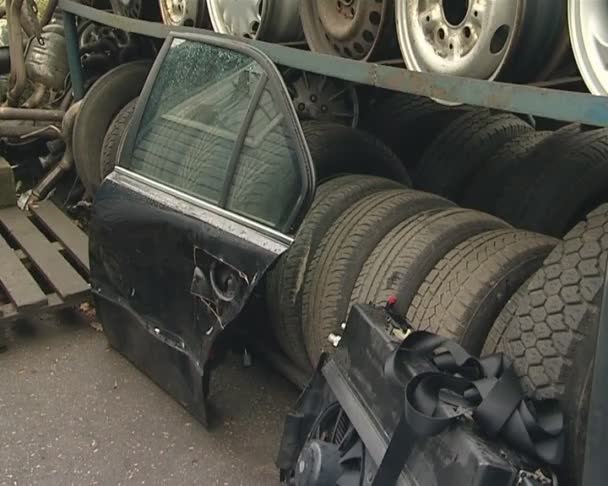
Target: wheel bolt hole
[[441, 34], [467, 32], [313, 98], [301, 107]]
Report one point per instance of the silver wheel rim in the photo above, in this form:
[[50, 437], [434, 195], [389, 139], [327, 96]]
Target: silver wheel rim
[[128, 8], [471, 38], [271, 20], [318, 97], [348, 28], [179, 12], [589, 36]]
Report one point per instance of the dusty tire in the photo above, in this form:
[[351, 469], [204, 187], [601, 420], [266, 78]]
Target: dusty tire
[[101, 104], [549, 328], [114, 137], [521, 177], [285, 282], [467, 289], [333, 271], [338, 149], [464, 145], [406, 255], [488, 182], [554, 192], [408, 124]]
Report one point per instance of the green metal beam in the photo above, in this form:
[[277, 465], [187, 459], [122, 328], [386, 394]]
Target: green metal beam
[[549, 103]]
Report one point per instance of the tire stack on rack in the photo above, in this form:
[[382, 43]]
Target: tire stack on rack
[[456, 271]]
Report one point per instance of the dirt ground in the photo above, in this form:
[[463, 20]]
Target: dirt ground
[[73, 411]]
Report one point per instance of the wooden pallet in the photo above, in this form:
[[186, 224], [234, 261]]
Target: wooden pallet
[[44, 261]]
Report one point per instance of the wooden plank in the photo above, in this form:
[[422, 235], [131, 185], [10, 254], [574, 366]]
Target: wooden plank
[[22, 256], [9, 313], [71, 236], [17, 282], [59, 273]]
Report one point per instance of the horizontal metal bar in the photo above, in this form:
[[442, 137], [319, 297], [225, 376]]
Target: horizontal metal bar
[[7, 113], [549, 103]]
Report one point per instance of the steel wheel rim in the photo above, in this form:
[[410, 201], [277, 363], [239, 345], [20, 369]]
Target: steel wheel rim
[[242, 19], [270, 20], [318, 97], [472, 38], [349, 28], [180, 12], [588, 22]]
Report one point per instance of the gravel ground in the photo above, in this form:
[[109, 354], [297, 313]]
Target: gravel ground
[[73, 411]]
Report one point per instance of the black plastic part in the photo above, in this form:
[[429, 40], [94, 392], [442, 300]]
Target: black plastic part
[[354, 376]]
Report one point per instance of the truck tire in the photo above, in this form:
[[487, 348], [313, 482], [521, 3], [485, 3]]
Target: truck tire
[[464, 146], [114, 137], [481, 193], [550, 326], [338, 149], [101, 104], [467, 289], [285, 281], [408, 124], [563, 185], [333, 271], [406, 255]]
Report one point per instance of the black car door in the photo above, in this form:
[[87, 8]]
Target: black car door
[[213, 178]]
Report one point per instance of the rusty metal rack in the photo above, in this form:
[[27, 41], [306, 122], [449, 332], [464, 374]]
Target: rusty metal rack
[[554, 104], [44, 262]]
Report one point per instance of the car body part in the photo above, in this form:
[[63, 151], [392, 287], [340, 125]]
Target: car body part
[[357, 29], [359, 421], [214, 149], [100, 105], [46, 184], [270, 20], [587, 22], [18, 78], [481, 39], [549, 329], [189, 13], [46, 63], [318, 97]]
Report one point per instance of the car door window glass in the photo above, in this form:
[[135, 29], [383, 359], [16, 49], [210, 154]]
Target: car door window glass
[[193, 135], [267, 180], [193, 116]]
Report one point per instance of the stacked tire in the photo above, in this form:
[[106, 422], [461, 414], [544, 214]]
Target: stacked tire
[[549, 329]]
